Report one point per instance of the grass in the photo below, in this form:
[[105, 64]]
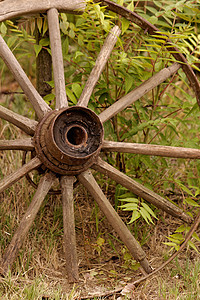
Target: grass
[[185, 282], [39, 270], [21, 287]]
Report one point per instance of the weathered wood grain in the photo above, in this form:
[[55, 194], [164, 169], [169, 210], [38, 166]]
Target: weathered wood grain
[[11, 8], [87, 179], [18, 144], [154, 150], [25, 124], [39, 105], [14, 177], [138, 92], [141, 190], [99, 65], [57, 58], [69, 228], [26, 222]]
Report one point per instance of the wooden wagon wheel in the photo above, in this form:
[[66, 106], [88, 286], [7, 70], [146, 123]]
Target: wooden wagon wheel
[[67, 141]]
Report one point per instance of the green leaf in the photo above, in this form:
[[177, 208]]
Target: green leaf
[[71, 33], [196, 237], [120, 2], [146, 215], [48, 98], [78, 53], [65, 46], [45, 26], [135, 215], [191, 202], [44, 42], [151, 9], [71, 96], [3, 29], [135, 200], [181, 228], [129, 206], [76, 88], [184, 188], [106, 25], [174, 240], [37, 49], [131, 6], [128, 82], [190, 214], [125, 25], [64, 27], [192, 245], [81, 40], [49, 50], [126, 195], [11, 40], [149, 210], [153, 20], [64, 17], [173, 245], [177, 236], [39, 24], [51, 83]]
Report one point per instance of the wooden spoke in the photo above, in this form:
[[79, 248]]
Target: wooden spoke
[[138, 92], [57, 58], [39, 105], [18, 144], [14, 177], [26, 222], [140, 190], [69, 228], [99, 66], [12, 8], [155, 150], [25, 124], [87, 179]]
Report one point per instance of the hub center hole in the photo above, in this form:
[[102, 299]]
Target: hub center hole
[[76, 135]]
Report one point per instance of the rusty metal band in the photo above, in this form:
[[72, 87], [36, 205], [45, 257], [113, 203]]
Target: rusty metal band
[[32, 183], [54, 149]]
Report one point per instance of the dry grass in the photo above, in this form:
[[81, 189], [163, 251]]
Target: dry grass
[[39, 270]]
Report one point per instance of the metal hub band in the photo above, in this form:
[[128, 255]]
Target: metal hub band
[[68, 140]]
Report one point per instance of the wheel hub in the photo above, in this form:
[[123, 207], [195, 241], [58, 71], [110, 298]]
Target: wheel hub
[[68, 140]]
